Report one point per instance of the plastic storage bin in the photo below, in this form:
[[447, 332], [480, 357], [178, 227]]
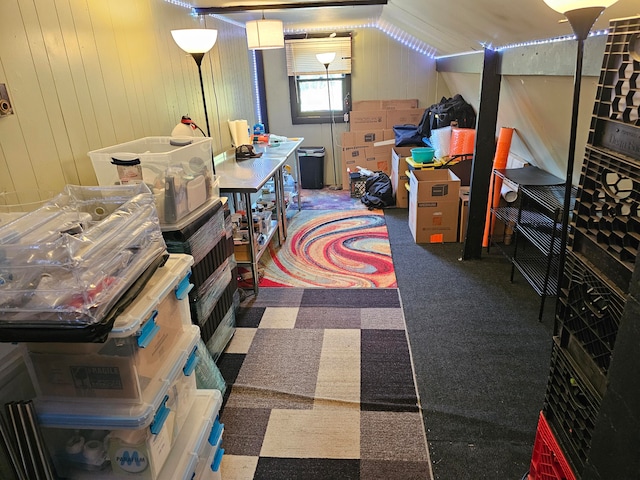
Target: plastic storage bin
[[311, 167], [65, 266], [179, 170], [139, 350], [210, 440], [209, 467], [119, 440]]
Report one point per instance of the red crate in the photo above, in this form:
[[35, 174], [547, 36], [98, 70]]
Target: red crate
[[548, 461]]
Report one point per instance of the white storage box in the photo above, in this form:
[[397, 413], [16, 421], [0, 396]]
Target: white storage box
[[119, 440], [65, 266], [139, 350], [179, 170]]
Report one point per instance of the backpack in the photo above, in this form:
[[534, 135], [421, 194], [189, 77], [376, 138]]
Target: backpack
[[454, 109], [378, 191]]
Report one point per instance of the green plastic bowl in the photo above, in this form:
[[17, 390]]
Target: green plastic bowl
[[423, 154]]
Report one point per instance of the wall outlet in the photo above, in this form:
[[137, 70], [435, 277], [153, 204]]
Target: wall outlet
[[5, 104]]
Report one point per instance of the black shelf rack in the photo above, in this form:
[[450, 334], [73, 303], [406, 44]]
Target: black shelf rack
[[539, 223]]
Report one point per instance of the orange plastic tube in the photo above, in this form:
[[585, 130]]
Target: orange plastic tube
[[499, 161]]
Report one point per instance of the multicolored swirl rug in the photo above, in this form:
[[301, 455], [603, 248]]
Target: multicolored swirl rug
[[322, 387], [331, 249]]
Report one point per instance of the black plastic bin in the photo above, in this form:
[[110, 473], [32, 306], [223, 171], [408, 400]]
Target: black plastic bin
[[311, 167]]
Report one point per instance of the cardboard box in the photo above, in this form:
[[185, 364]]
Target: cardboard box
[[362, 138], [364, 105], [399, 104], [388, 134], [368, 120], [434, 206], [410, 116], [399, 176], [371, 158]]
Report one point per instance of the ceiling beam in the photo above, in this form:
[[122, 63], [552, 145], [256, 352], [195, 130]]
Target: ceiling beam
[[286, 6]]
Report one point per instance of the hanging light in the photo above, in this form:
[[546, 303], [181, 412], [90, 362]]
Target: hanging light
[[265, 34]]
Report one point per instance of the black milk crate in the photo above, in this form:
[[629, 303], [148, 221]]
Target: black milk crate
[[571, 407], [589, 314], [357, 186], [617, 95], [606, 215]]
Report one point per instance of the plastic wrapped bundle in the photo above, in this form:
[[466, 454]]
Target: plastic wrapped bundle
[[441, 140], [65, 267]]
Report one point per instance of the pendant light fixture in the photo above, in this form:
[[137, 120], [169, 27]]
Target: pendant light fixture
[[265, 34]]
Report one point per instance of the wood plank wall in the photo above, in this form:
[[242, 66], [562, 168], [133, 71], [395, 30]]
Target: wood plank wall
[[84, 74]]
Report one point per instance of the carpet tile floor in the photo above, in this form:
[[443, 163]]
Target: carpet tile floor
[[322, 388]]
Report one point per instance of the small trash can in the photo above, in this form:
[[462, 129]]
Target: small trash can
[[311, 167]]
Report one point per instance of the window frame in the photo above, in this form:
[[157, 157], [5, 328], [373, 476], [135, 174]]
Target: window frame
[[324, 116]]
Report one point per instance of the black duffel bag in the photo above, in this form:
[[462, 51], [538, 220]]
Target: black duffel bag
[[439, 115]]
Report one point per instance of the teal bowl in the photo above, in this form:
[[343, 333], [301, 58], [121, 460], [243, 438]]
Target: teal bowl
[[423, 154]]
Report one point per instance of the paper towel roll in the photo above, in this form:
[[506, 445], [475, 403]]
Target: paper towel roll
[[239, 132], [508, 193]]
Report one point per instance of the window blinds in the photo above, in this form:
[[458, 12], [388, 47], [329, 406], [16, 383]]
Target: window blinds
[[301, 55]]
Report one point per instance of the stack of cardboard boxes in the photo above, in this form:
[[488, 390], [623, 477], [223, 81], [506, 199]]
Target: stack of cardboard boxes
[[433, 197], [372, 121]]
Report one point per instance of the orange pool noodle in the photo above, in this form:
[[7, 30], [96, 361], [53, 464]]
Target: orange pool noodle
[[499, 161]]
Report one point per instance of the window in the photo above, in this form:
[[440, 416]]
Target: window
[[312, 101], [310, 98]]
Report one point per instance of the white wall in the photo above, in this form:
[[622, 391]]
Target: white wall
[[382, 68], [539, 108], [83, 75]]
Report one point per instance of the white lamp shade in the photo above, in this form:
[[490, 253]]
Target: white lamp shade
[[564, 6], [326, 58], [264, 34], [195, 40]]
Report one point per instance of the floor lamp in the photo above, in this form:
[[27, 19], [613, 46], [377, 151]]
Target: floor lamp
[[581, 14], [197, 42], [326, 59]]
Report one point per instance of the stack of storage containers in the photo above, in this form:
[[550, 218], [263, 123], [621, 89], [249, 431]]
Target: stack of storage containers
[[102, 315], [214, 297], [128, 407], [192, 220]]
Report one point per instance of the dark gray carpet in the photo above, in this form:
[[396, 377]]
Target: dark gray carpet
[[481, 355]]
